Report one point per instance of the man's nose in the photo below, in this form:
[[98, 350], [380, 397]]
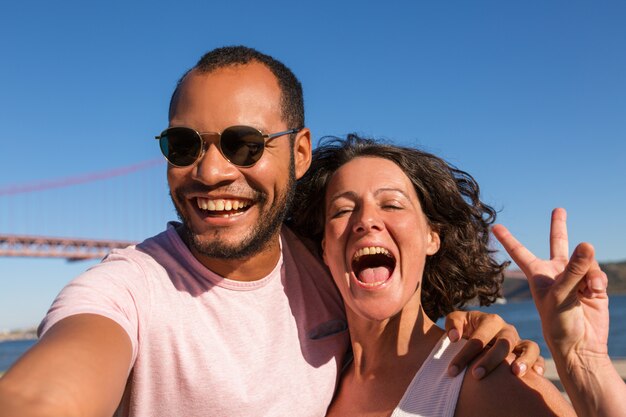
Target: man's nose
[[213, 169]]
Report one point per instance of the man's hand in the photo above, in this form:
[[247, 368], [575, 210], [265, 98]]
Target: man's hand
[[490, 334], [570, 293]]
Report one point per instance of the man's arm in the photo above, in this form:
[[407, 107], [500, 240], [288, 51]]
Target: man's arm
[[78, 368]]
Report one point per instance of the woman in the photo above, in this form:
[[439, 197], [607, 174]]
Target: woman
[[405, 236]]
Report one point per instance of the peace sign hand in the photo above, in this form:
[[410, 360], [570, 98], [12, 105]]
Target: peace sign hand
[[569, 293]]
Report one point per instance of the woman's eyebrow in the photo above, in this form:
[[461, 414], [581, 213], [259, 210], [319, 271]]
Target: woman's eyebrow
[[346, 194], [394, 190], [352, 195]]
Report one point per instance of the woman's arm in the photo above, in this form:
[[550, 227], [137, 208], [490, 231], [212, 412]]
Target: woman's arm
[[570, 295]]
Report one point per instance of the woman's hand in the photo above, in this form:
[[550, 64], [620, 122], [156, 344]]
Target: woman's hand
[[570, 293]]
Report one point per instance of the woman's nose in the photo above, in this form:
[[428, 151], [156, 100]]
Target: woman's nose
[[367, 221]]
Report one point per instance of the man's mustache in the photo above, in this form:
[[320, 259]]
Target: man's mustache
[[234, 190]]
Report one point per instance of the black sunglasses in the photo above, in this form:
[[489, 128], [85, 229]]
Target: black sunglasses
[[240, 145]]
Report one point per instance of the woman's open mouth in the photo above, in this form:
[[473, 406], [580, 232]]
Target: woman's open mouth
[[373, 266]]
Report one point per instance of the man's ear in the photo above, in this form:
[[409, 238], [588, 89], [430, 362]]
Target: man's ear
[[302, 152], [434, 242]]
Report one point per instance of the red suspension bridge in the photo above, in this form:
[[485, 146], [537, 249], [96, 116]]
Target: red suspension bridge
[[84, 216]]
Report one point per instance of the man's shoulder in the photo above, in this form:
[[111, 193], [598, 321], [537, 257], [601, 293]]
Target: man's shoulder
[[303, 261], [300, 243], [165, 244], [142, 258]]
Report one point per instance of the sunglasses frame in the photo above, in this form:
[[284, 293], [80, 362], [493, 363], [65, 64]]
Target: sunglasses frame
[[204, 145]]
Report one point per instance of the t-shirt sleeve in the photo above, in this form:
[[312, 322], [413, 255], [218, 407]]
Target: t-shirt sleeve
[[113, 289]]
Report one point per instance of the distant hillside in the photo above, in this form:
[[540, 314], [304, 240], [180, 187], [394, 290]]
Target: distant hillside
[[23, 334], [616, 272], [517, 289]]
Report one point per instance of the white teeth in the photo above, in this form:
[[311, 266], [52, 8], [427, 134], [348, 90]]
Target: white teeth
[[371, 284], [221, 204], [372, 250]]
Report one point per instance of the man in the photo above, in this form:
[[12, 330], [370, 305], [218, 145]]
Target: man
[[227, 313]]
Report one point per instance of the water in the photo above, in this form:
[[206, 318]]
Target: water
[[522, 315], [11, 350]]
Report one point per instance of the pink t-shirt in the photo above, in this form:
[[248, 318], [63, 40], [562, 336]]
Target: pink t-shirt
[[204, 345]]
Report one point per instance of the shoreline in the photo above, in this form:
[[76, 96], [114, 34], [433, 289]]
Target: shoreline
[[17, 335], [17, 338]]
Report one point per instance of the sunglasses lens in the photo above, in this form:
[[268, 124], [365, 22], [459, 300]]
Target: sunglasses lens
[[242, 145], [181, 146]]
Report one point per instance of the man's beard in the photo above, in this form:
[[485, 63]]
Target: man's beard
[[257, 240]]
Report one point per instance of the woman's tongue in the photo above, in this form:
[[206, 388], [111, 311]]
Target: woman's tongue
[[374, 274]]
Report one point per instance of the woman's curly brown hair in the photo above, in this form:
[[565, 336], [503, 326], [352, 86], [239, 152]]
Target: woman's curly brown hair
[[463, 269]]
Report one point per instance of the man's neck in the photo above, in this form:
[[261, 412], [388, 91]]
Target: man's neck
[[251, 268]]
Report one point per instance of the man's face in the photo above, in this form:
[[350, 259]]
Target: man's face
[[231, 212]]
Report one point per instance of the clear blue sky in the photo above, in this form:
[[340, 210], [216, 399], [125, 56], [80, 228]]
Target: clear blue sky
[[529, 97]]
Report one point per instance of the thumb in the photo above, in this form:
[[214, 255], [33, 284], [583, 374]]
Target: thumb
[[579, 265]]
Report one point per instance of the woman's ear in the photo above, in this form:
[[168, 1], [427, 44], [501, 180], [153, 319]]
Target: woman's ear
[[324, 251], [434, 242]]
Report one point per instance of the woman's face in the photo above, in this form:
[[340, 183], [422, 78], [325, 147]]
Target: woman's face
[[376, 237]]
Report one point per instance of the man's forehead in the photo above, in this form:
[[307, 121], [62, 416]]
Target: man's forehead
[[253, 74], [236, 94]]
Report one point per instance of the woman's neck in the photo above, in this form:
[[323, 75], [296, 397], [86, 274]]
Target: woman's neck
[[387, 354], [405, 339]]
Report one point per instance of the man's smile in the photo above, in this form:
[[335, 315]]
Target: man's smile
[[223, 207]]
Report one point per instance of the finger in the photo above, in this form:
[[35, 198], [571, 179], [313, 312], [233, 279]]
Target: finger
[[469, 352], [527, 357], [559, 244], [480, 328], [576, 269], [596, 282], [522, 256], [540, 365], [455, 323], [483, 326], [493, 357]]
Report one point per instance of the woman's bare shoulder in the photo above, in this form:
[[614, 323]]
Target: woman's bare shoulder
[[502, 393]]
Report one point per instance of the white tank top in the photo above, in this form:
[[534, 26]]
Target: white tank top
[[432, 392]]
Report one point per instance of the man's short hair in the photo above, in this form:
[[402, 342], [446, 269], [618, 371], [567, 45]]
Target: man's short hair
[[292, 101]]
